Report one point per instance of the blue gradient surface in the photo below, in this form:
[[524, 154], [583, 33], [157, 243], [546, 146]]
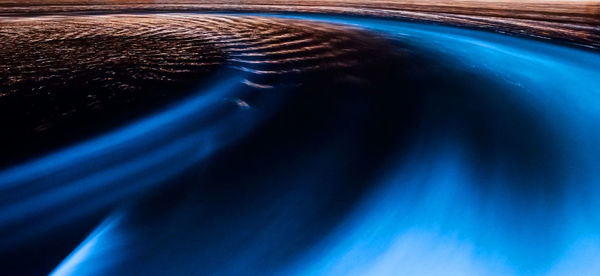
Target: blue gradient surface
[[433, 211], [426, 219]]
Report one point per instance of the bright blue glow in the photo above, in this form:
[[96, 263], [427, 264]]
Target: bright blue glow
[[101, 172], [424, 218], [92, 244], [451, 230], [140, 132]]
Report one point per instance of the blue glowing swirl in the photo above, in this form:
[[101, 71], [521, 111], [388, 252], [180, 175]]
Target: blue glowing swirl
[[423, 218], [149, 152]]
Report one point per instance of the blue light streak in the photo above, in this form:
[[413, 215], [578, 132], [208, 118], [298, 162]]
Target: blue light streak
[[127, 162], [449, 229], [424, 218]]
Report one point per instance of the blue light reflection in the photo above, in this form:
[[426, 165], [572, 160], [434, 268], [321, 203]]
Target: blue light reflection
[[423, 217]]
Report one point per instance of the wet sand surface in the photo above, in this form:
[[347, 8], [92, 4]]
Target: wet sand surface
[[572, 21], [67, 78]]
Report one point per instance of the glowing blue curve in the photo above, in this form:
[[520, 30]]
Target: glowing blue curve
[[101, 172], [414, 225], [391, 234]]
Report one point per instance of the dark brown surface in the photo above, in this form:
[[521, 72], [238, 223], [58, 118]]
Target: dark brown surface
[[64, 78], [573, 21]]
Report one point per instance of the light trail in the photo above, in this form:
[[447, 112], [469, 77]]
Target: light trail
[[435, 210]]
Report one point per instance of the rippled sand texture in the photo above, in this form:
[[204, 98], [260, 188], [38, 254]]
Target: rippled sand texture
[[59, 73], [574, 21]]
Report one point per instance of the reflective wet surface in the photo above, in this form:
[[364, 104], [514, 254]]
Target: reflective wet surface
[[300, 144]]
